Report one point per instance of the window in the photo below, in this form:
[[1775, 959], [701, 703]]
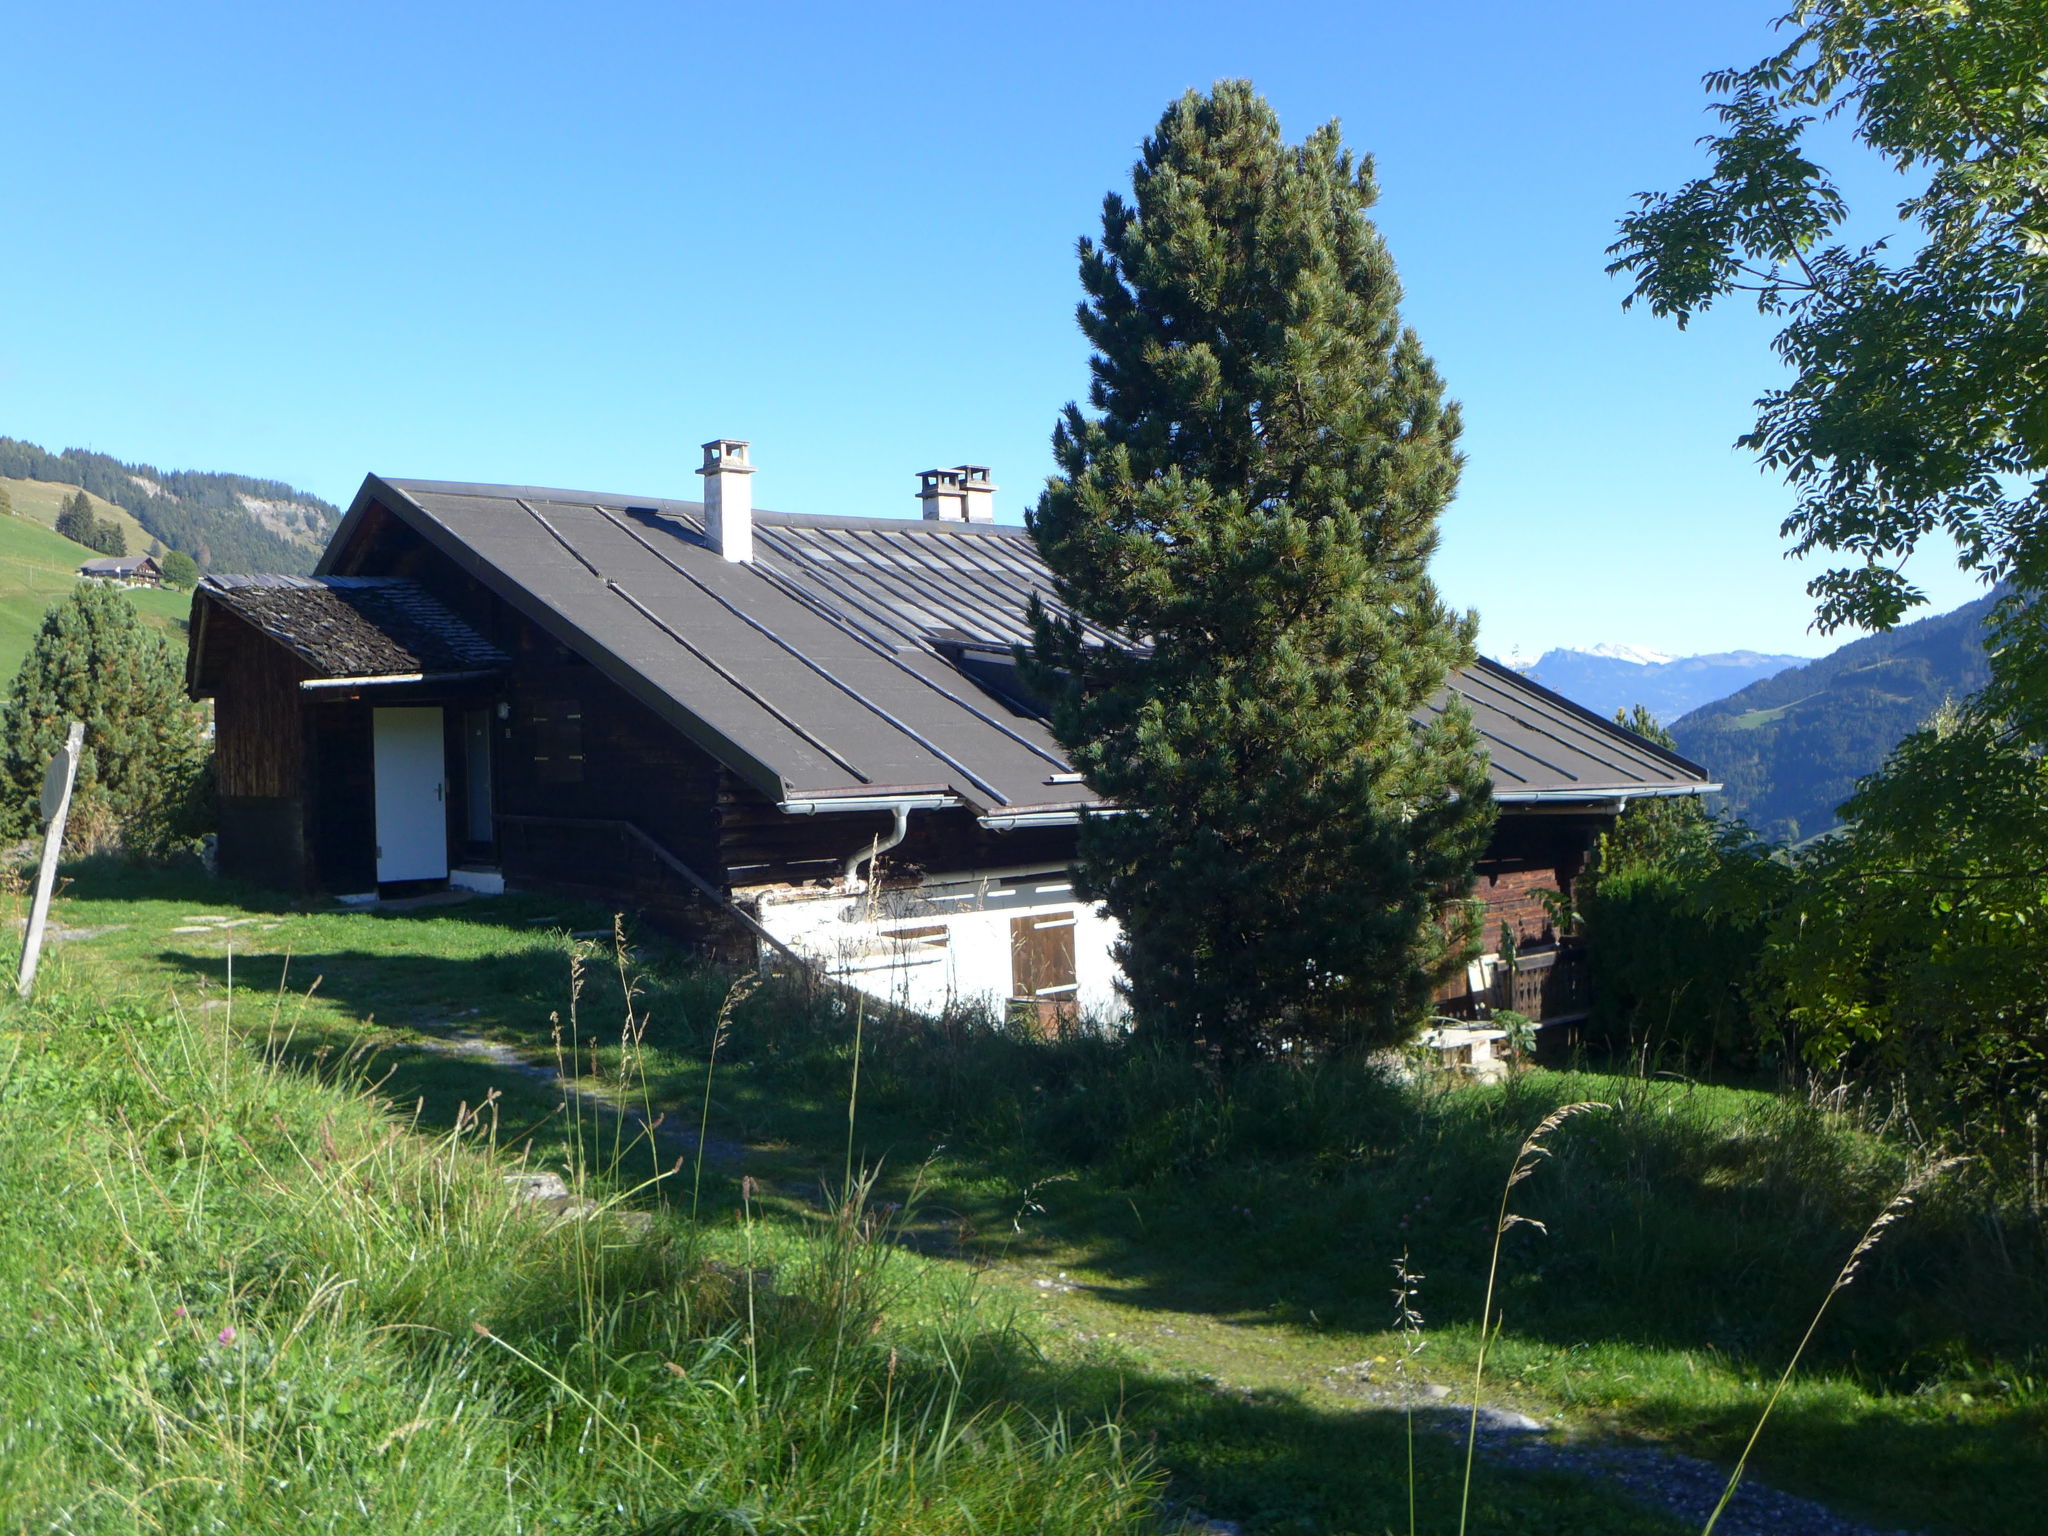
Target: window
[[557, 741]]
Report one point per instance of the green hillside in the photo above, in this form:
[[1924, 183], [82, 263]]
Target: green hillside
[[225, 522], [37, 567], [1790, 748], [41, 500]]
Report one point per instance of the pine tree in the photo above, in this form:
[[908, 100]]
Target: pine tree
[[1256, 497], [6, 503], [76, 520], [108, 537], [143, 774]]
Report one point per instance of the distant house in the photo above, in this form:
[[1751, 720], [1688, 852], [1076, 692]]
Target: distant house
[[136, 569], [720, 716]]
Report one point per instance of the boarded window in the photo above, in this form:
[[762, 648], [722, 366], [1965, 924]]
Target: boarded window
[[929, 936], [1042, 956], [557, 729]]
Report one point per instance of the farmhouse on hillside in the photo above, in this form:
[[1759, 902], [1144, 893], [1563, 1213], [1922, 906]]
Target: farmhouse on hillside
[[138, 569], [768, 731]]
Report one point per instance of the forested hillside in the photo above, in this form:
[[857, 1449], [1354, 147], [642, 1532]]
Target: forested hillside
[[1790, 748], [225, 522]]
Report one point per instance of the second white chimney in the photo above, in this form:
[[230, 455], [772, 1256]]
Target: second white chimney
[[728, 499]]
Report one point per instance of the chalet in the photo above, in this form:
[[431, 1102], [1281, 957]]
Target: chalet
[[765, 730], [138, 570]]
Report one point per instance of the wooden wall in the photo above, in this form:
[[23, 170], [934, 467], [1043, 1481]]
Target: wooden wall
[[255, 686], [258, 750]]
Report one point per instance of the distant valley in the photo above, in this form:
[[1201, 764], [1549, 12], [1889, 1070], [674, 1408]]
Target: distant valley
[[1788, 736], [1608, 678], [1789, 748]]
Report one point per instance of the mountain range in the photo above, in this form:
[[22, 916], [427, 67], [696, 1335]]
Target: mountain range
[[1607, 678], [223, 521], [1789, 748]]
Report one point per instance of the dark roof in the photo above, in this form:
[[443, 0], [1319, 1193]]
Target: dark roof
[[852, 655], [354, 626], [116, 565]]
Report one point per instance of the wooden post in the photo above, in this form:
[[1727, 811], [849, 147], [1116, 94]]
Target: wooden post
[[56, 807]]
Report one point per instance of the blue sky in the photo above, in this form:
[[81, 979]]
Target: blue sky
[[564, 245]]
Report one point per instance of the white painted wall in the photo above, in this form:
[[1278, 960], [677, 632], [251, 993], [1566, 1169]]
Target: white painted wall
[[843, 936]]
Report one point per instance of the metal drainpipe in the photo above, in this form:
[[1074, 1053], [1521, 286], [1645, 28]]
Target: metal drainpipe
[[875, 850]]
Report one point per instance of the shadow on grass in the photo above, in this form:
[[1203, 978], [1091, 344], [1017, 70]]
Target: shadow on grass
[[1276, 1464], [1681, 1223]]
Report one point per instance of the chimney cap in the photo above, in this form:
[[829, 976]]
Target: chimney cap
[[726, 455]]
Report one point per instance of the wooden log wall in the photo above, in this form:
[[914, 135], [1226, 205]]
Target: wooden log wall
[[255, 687]]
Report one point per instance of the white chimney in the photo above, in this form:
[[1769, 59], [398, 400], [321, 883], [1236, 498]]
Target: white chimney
[[962, 494], [978, 493], [728, 499]]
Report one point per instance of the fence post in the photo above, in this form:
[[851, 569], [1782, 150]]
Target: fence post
[[56, 807]]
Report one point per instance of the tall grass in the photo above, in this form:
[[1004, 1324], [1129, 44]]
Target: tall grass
[[238, 1296]]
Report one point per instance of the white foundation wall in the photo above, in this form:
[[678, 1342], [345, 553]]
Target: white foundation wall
[[901, 960]]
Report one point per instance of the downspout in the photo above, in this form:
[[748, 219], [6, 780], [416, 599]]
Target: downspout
[[876, 850]]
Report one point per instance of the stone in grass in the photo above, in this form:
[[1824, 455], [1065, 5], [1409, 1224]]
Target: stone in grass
[[547, 1191]]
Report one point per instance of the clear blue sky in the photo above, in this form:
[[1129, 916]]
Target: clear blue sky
[[566, 244]]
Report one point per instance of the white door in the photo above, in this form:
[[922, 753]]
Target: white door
[[412, 824]]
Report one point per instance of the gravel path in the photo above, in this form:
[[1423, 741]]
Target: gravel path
[[1685, 1486]]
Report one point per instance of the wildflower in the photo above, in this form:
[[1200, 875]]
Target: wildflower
[[227, 1335]]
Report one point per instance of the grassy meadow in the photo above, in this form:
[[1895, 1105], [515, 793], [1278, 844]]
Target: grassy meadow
[[1159, 1290], [37, 567]]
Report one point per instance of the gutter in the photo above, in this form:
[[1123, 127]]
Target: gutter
[[1025, 821], [391, 678], [1616, 797], [826, 805], [900, 806]]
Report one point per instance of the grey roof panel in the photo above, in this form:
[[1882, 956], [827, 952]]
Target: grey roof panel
[[818, 668]]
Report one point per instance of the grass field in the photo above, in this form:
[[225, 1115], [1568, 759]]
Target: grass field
[[1213, 1270], [37, 567]]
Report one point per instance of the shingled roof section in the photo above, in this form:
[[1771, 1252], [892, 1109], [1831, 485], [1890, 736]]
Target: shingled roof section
[[863, 656], [356, 626]]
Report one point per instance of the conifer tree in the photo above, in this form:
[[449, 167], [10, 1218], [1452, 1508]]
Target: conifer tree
[[76, 521], [108, 537], [1255, 499], [6, 503], [142, 777]]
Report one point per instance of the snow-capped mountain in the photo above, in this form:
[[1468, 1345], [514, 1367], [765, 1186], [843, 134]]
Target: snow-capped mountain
[[1606, 678]]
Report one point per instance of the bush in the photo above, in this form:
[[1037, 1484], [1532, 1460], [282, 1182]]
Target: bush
[[1913, 950]]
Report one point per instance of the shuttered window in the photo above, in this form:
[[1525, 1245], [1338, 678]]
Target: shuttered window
[[556, 727], [1042, 956]]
